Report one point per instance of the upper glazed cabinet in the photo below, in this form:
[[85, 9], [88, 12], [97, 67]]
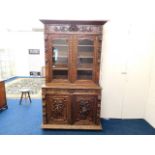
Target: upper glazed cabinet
[[72, 52]]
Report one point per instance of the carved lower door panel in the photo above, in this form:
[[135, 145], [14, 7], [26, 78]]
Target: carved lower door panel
[[85, 109], [58, 109]]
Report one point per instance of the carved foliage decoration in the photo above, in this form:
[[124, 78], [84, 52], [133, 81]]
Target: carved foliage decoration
[[63, 28], [85, 107], [73, 28], [58, 109]]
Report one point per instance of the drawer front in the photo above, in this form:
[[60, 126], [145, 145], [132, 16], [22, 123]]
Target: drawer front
[[58, 109], [84, 109], [70, 91]]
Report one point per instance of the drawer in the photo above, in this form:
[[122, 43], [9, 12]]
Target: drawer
[[70, 91]]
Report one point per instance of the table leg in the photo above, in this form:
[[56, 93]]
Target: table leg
[[29, 97], [21, 98]]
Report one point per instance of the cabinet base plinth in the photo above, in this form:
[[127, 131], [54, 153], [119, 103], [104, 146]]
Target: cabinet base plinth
[[75, 127]]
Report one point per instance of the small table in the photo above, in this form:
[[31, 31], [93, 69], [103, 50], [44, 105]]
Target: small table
[[25, 92]]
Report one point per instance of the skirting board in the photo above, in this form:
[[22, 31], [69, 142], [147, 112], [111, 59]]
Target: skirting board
[[74, 127]]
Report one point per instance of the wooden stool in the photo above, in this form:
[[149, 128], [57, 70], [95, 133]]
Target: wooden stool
[[25, 92]]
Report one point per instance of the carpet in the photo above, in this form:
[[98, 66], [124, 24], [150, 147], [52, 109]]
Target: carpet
[[13, 87], [26, 119]]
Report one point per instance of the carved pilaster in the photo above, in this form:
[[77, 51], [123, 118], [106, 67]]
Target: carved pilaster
[[44, 106], [98, 109]]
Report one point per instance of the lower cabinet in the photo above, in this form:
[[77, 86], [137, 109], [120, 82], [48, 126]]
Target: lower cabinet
[[71, 110]]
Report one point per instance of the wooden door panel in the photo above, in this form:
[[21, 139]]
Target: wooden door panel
[[58, 109], [84, 109]]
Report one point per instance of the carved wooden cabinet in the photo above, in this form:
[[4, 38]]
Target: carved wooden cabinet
[[3, 103], [71, 95]]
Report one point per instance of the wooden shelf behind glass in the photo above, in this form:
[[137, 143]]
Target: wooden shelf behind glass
[[84, 69], [59, 68]]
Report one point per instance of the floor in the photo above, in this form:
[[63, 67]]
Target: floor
[[26, 119]]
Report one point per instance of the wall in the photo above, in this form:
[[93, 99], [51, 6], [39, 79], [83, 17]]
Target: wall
[[125, 69], [150, 104], [112, 65], [19, 43], [7, 65], [138, 70]]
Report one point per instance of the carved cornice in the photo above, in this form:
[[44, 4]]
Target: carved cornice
[[70, 28]]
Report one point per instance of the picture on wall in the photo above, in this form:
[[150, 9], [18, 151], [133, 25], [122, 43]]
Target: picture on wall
[[34, 51]]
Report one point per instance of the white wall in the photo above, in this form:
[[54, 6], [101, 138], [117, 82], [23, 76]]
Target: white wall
[[20, 42], [125, 69], [112, 65], [7, 65], [150, 104], [138, 70]]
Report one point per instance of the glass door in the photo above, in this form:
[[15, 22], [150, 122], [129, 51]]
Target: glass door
[[60, 57], [85, 58]]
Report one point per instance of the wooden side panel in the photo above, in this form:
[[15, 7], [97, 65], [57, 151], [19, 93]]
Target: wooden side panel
[[98, 43], [2, 95], [47, 58]]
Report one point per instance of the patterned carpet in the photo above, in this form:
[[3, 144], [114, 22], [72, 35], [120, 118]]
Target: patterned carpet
[[13, 88]]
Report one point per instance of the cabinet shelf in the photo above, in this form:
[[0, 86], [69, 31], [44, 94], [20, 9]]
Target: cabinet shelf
[[84, 69], [86, 45], [85, 53], [85, 57], [56, 45], [62, 56], [59, 68]]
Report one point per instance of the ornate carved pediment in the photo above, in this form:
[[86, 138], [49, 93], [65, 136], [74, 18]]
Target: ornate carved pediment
[[73, 28], [66, 28]]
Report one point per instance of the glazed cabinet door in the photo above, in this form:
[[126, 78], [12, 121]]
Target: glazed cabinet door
[[85, 109], [59, 57], [86, 50], [58, 109]]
